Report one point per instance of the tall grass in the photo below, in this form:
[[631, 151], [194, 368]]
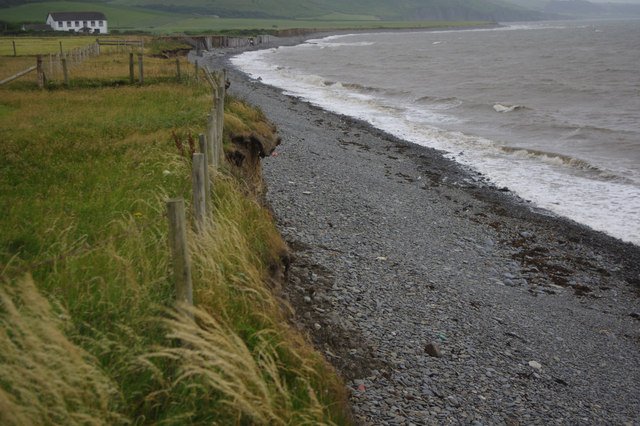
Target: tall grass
[[85, 172], [46, 378]]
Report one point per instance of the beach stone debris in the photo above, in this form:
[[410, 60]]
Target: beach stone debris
[[433, 349], [535, 364]]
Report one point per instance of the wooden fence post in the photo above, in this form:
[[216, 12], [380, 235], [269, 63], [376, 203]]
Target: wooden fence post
[[207, 75], [222, 80], [202, 143], [131, 75], [40, 72], [65, 71], [197, 70], [212, 139], [61, 52], [141, 69], [14, 48], [199, 163], [179, 251]]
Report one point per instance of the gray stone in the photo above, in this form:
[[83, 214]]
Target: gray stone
[[433, 349]]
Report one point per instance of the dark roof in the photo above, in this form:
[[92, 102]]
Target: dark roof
[[78, 16]]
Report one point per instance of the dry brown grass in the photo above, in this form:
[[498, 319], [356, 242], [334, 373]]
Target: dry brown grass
[[216, 361], [241, 119], [46, 379]]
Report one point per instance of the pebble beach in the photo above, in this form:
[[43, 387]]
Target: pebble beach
[[439, 297]]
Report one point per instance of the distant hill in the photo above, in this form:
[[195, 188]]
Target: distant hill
[[585, 9], [400, 10], [582, 8]]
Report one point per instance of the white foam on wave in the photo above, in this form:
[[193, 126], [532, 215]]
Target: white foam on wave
[[545, 179], [506, 108], [354, 44]]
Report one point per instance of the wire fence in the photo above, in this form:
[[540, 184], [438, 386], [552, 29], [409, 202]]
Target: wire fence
[[51, 65], [60, 65], [211, 155]]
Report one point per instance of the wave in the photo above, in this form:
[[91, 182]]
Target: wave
[[355, 44], [436, 103], [581, 132], [555, 159], [360, 87], [507, 108]]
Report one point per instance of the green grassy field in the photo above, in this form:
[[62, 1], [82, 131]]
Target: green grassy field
[[118, 16], [29, 46], [88, 329], [123, 18], [211, 25]]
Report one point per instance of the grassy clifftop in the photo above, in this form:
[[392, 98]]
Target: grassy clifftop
[[88, 328]]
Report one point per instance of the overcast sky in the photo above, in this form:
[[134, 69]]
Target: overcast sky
[[535, 3], [616, 1]]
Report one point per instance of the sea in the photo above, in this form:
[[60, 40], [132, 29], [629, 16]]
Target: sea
[[550, 110]]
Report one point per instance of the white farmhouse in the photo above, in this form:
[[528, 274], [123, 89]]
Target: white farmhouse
[[90, 22]]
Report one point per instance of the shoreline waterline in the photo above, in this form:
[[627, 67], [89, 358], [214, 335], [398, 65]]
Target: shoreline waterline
[[589, 205]]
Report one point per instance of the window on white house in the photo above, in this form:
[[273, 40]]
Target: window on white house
[[100, 23], [69, 24], [77, 23], [60, 24], [84, 23], [93, 23]]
